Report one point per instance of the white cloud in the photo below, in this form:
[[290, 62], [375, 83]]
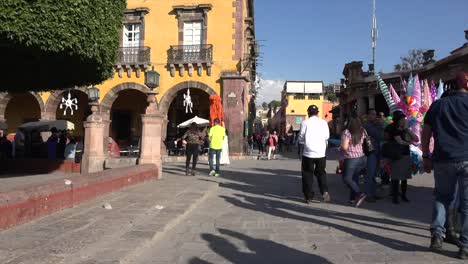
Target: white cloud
[[270, 90]]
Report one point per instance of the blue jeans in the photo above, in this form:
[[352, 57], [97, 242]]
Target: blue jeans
[[446, 176], [372, 168], [352, 169], [210, 159]]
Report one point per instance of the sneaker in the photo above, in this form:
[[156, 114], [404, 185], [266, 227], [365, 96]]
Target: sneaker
[[405, 199], [216, 175], [360, 199], [326, 197], [463, 253], [193, 173], [187, 172], [212, 173], [436, 242], [378, 197], [451, 237], [352, 201]]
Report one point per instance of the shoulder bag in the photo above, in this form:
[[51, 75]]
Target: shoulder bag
[[367, 145]]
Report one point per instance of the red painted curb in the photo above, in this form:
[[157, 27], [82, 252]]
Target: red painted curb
[[24, 204]]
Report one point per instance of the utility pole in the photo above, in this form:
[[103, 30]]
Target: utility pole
[[374, 34]]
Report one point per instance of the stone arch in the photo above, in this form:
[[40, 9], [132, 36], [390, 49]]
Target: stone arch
[[53, 102], [5, 98], [167, 98], [113, 94]]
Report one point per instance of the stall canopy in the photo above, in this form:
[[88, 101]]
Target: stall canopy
[[47, 125], [197, 120]]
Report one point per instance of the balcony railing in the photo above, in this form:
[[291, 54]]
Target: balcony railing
[[134, 55], [183, 54]]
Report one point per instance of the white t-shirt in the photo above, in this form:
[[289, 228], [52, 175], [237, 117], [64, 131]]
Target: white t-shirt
[[314, 135]]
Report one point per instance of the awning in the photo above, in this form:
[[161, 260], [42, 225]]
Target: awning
[[296, 127], [47, 125], [197, 120]]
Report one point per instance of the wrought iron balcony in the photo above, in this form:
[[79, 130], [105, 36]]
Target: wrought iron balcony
[[134, 56], [194, 54]]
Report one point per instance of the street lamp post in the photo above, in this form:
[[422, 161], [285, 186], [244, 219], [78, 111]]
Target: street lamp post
[[93, 96], [152, 125], [152, 82], [93, 152]]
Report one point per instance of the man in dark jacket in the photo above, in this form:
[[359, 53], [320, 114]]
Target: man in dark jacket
[[447, 122]]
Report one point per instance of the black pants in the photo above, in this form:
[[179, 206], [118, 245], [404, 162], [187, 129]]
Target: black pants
[[396, 185], [261, 148], [192, 149], [311, 167]]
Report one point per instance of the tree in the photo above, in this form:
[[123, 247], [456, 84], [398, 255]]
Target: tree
[[331, 96], [264, 105], [274, 104], [413, 61], [58, 44]]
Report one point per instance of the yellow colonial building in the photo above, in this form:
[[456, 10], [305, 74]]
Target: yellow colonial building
[[202, 48], [296, 97]]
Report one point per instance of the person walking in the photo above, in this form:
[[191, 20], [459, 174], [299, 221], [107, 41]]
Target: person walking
[[194, 138], [354, 158], [400, 137], [5, 146], [216, 135], [313, 136], [374, 128], [70, 150], [20, 143], [447, 122], [259, 143], [271, 147]]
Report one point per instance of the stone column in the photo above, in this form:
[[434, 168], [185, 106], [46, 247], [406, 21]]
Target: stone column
[[371, 101], [164, 135], [93, 150], [3, 124], [361, 106], [234, 90], [152, 122]]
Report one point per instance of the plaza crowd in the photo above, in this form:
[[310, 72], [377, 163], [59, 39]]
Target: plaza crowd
[[59, 145], [374, 146]]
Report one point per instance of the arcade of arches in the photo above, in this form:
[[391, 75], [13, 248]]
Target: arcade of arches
[[122, 107]]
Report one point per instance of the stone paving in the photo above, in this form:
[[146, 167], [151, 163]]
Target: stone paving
[[252, 214], [89, 233], [257, 216]]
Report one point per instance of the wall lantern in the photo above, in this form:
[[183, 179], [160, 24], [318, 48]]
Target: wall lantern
[[152, 78], [93, 94]]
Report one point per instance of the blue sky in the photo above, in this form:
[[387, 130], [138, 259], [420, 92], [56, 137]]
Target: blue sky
[[313, 39]]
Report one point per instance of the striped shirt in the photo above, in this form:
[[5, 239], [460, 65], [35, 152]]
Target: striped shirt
[[354, 151]]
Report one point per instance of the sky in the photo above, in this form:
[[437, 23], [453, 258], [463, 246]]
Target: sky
[[314, 39]]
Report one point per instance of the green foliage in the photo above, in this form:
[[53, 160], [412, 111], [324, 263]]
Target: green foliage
[[274, 104], [50, 44], [331, 96], [413, 61]]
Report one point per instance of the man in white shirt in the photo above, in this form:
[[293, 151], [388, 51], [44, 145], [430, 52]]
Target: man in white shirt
[[314, 135]]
